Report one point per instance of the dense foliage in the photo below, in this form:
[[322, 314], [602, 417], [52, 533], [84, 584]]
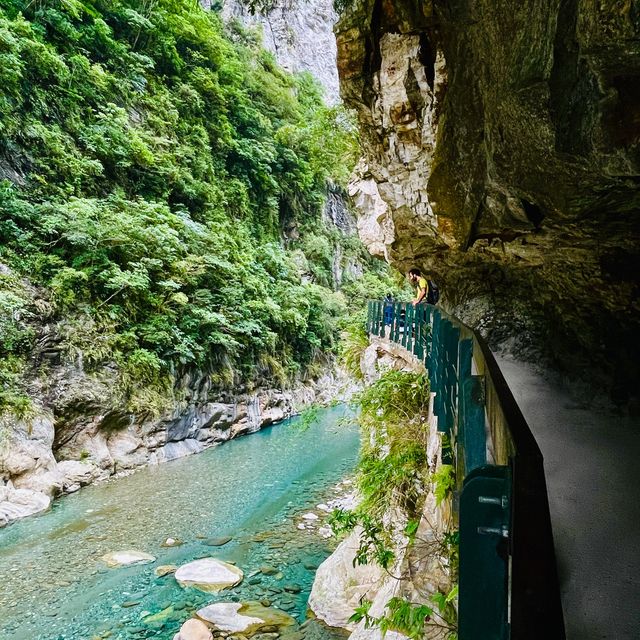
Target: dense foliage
[[150, 159], [393, 463], [394, 476]]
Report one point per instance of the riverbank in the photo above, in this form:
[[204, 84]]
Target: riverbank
[[43, 458]]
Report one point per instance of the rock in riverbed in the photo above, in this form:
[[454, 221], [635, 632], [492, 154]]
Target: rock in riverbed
[[193, 630], [246, 618], [209, 575], [172, 542], [126, 558], [165, 570], [217, 542]]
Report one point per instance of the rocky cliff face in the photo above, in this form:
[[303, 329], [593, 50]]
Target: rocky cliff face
[[502, 154], [299, 33]]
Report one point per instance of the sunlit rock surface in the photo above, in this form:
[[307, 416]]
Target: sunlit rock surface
[[208, 574], [193, 630], [245, 618], [339, 586], [117, 559], [19, 503], [504, 141]]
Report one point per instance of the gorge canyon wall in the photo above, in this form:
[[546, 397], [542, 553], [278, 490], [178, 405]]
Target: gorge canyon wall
[[502, 155]]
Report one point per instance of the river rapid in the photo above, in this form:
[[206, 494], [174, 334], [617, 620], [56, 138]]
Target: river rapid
[[55, 586]]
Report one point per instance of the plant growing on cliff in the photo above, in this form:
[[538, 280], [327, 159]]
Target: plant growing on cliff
[[393, 463], [154, 157], [353, 342], [413, 620], [375, 540], [444, 481], [393, 474]]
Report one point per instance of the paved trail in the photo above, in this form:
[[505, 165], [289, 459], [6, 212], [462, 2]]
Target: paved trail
[[592, 464]]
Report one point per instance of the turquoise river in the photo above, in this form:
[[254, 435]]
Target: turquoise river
[[54, 585]]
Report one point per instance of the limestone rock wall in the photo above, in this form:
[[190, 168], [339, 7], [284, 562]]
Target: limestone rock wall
[[300, 35], [502, 155]]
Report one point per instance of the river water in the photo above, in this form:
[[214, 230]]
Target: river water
[[54, 585]]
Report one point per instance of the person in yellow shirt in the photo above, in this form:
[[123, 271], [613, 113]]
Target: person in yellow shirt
[[421, 284], [423, 288]]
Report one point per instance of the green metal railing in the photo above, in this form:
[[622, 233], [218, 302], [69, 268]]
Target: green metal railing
[[508, 582]]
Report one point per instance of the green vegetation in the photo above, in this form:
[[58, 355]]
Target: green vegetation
[[394, 474], [150, 162], [393, 465], [444, 481], [413, 619], [354, 341]]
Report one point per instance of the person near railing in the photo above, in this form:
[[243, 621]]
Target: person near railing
[[388, 308], [421, 284], [426, 289]]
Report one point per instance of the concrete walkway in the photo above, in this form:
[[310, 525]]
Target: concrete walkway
[[592, 465]]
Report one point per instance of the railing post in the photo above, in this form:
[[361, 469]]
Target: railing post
[[484, 555], [376, 316], [450, 400], [422, 331], [472, 439], [410, 328], [441, 370], [434, 354], [397, 312]]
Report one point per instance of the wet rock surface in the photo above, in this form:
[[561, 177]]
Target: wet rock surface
[[125, 558], [246, 618], [209, 574]]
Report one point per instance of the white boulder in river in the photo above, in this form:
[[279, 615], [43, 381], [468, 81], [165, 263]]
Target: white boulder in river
[[340, 584], [193, 630], [244, 618], [208, 574], [125, 558]]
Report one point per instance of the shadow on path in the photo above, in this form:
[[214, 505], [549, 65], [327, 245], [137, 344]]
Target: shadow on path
[[592, 465]]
